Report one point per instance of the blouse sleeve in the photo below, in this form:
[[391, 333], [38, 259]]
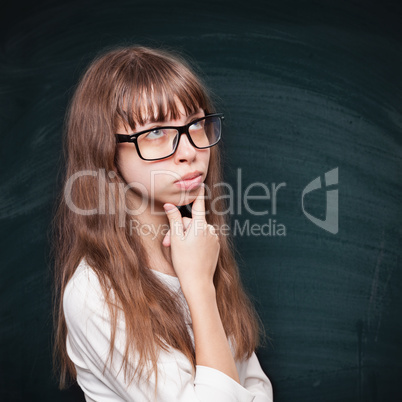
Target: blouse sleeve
[[88, 342]]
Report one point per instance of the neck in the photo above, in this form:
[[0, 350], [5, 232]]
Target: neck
[[151, 225]]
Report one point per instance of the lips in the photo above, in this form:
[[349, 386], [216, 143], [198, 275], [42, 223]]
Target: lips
[[190, 181], [190, 176]]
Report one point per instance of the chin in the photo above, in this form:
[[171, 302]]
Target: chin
[[184, 201], [184, 198]]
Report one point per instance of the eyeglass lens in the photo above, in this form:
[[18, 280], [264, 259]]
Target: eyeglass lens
[[161, 142]]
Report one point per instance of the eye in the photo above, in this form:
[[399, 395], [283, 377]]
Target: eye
[[155, 134], [198, 125]]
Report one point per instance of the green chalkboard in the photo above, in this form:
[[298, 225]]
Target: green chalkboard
[[312, 95]]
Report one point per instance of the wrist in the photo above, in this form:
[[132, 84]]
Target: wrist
[[197, 293]]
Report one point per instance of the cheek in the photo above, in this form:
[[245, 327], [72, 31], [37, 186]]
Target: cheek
[[139, 175], [129, 165], [207, 157]]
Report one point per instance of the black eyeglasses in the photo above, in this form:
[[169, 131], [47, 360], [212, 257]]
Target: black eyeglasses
[[162, 142]]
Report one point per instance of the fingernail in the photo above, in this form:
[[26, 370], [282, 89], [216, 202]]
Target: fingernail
[[168, 207]]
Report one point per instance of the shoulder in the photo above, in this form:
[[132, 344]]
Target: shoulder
[[83, 294], [84, 281]]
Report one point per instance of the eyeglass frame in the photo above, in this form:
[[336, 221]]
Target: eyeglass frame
[[121, 138]]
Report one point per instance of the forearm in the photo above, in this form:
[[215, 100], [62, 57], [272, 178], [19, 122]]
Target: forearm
[[211, 345]]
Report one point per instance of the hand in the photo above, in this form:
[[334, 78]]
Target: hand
[[186, 223], [194, 246]]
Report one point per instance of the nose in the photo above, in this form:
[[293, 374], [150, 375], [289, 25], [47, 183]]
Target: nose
[[185, 151]]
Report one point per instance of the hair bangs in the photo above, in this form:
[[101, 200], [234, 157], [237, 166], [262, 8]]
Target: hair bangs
[[154, 95]]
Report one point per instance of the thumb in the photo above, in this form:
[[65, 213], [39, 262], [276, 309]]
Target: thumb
[[175, 220]]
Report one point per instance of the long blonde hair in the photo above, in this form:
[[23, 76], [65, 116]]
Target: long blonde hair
[[113, 90]]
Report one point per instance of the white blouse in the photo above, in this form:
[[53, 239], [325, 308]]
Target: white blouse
[[88, 340]]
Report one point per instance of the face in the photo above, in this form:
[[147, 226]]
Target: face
[[158, 182]]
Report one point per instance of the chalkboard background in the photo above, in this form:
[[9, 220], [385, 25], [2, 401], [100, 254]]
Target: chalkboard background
[[306, 87]]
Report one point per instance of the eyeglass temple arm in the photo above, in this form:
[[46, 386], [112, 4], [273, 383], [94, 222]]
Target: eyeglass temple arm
[[124, 138]]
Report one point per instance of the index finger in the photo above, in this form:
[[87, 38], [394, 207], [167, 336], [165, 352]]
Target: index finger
[[198, 208], [175, 219]]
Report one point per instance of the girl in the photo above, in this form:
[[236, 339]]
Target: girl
[[149, 304]]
